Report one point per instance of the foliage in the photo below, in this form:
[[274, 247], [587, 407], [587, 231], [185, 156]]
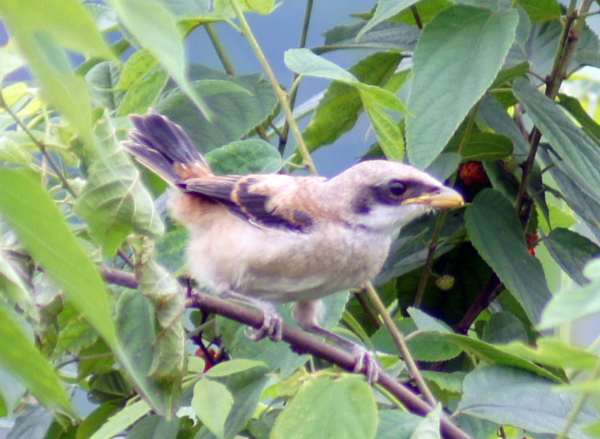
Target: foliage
[[91, 267]]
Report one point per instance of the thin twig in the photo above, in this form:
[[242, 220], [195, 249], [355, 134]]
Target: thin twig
[[283, 137], [416, 16], [401, 344], [281, 96], [427, 269], [220, 49]]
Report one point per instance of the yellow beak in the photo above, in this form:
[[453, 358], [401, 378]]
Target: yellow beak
[[444, 198]]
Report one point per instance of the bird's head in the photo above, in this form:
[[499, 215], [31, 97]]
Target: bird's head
[[384, 196]]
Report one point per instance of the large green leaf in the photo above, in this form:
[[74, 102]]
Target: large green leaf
[[577, 192], [482, 147], [135, 325], [509, 396], [451, 76], [496, 233], [66, 20], [154, 427], [354, 417], [234, 113], [576, 302], [385, 36], [575, 147], [573, 106], [252, 156], [341, 104], [542, 44], [155, 27], [385, 9], [114, 202], [212, 403], [23, 361], [541, 10], [374, 99], [572, 251], [26, 206]]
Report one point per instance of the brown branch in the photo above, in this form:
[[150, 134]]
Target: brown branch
[[306, 343], [118, 277]]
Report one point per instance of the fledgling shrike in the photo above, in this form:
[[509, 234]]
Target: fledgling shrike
[[274, 238]]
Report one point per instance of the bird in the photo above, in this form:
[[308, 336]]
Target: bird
[[264, 239]]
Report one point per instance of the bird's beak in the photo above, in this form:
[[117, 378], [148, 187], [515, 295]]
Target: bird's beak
[[445, 198]]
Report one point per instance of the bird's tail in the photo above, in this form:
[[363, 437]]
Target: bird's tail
[[163, 147]]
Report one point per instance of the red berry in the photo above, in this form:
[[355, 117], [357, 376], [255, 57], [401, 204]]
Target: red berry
[[472, 173]]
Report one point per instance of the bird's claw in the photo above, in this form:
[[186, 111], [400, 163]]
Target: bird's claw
[[272, 326], [366, 364]]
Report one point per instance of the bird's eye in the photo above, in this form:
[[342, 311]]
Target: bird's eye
[[397, 188]]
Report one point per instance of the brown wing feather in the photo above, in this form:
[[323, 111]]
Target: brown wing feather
[[254, 199]]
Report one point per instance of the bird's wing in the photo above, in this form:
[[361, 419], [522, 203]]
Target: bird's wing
[[274, 201]]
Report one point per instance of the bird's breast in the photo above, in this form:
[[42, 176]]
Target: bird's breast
[[284, 266]]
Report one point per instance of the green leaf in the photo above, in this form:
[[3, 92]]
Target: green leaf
[[573, 106], [398, 37], [494, 115], [396, 424], [575, 303], [494, 355], [26, 206], [483, 147], [425, 322], [253, 156], [575, 147], [409, 250], [515, 397], [576, 191], [429, 426], [168, 352], [12, 286], [138, 66], [122, 419], [155, 27], [571, 251], [496, 233], [341, 104], [114, 202], [136, 330], [23, 361], [448, 382], [504, 327], [553, 352], [65, 20], [212, 403], [448, 82], [247, 388], [67, 91], [385, 9], [154, 427], [387, 131], [541, 10], [354, 417], [234, 113], [305, 62], [230, 367], [143, 94], [432, 346]]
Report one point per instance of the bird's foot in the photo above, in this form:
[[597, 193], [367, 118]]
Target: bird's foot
[[366, 363], [271, 326]]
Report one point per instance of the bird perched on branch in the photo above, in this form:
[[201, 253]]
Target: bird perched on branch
[[265, 239]]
